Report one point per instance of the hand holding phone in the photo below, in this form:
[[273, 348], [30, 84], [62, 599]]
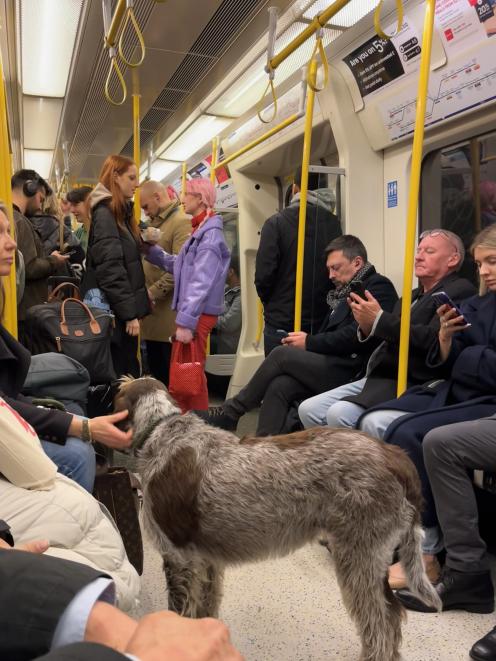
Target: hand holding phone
[[358, 289], [442, 298]]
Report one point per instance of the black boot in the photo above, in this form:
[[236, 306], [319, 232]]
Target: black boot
[[485, 648], [217, 417], [468, 591]]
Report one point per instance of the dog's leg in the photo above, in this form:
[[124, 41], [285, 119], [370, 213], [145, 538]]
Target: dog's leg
[[362, 577], [211, 590], [183, 586]]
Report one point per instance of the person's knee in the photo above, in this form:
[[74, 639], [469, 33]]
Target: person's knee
[[307, 414], [375, 424], [79, 454], [436, 444], [342, 414]]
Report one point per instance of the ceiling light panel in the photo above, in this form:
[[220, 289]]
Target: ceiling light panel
[[196, 136], [41, 118], [251, 85], [48, 31], [39, 160], [161, 168], [345, 17]]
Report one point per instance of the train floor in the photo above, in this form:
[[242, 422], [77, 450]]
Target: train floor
[[290, 609]]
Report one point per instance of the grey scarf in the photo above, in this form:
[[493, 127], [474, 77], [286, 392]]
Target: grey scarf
[[335, 296]]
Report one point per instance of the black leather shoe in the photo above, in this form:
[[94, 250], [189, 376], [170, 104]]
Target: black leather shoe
[[472, 592], [485, 648], [217, 417]]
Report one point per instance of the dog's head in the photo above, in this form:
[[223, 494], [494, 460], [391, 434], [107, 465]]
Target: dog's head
[[132, 390]]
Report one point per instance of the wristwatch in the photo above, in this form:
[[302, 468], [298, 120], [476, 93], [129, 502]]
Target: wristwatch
[[86, 431]]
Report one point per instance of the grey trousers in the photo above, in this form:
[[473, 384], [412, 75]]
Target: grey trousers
[[450, 454]]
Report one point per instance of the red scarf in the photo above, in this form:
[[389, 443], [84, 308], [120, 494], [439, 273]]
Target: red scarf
[[196, 221]]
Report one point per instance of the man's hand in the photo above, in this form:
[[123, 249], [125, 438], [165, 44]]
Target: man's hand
[[297, 340], [365, 312], [36, 546], [61, 259], [132, 327], [165, 635], [109, 626], [103, 429], [184, 335]]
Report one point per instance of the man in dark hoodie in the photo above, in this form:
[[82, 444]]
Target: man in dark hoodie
[[276, 262]]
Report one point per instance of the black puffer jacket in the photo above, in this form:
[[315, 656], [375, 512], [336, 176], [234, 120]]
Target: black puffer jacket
[[113, 261], [276, 264]]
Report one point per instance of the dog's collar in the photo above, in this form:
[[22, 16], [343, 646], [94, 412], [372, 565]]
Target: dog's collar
[[140, 439]]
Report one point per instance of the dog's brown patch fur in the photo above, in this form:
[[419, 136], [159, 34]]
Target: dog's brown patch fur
[[284, 442], [173, 493]]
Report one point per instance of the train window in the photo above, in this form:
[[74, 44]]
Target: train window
[[459, 191]]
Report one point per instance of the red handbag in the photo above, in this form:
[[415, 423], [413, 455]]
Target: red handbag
[[186, 372]]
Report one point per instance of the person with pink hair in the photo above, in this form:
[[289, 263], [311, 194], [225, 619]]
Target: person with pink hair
[[200, 271]]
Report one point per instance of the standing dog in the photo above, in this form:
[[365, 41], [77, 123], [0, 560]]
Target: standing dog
[[211, 500]]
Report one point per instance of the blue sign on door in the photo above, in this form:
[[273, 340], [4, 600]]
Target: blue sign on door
[[392, 194]]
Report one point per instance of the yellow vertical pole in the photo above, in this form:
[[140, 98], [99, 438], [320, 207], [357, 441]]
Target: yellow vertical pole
[[9, 318], [183, 177], [136, 151], [307, 144], [213, 164], [413, 194]]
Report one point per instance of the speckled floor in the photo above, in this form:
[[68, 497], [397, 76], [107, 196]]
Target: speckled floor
[[290, 609]]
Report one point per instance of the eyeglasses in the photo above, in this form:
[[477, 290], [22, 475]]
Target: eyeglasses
[[435, 233]]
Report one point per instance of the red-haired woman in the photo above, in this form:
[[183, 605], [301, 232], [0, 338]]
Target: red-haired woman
[[114, 274]]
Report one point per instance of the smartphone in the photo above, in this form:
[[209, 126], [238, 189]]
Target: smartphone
[[442, 298], [358, 289], [282, 333]]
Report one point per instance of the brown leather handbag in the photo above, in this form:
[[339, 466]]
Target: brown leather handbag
[[113, 488]]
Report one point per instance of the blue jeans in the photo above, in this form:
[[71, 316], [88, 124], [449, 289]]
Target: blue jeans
[[75, 459]]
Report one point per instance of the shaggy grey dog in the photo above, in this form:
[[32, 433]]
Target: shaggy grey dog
[[211, 500]]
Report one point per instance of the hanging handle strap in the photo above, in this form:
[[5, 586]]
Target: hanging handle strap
[[319, 48], [270, 85], [377, 20], [130, 16], [122, 83]]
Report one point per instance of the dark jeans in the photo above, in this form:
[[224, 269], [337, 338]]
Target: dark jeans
[[451, 453], [408, 432], [159, 355], [286, 375], [124, 349]]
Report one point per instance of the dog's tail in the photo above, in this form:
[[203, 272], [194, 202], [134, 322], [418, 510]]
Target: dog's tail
[[410, 549]]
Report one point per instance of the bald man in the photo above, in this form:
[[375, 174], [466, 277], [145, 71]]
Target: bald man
[[175, 227]]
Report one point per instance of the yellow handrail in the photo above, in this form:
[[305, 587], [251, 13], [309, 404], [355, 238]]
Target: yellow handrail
[[213, 162], [136, 152], [139, 34], [254, 143], [111, 36], [307, 143], [9, 282], [260, 324], [377, 20], [114, 66], [418, 141], [318, 22]]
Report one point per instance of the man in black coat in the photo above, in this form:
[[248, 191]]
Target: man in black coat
[[65, 610], [439, 255], [308, 364], [275, 268]]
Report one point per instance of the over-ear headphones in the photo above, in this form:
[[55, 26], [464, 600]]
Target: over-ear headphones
[[31, 187]]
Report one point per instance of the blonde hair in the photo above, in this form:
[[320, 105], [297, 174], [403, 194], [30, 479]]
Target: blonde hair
[[485, 239]]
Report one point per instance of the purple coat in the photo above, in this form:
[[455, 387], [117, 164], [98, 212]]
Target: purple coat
[[200, 271]]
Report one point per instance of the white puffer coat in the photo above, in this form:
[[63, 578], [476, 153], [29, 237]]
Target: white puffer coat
[[38, 503], [76, 527]]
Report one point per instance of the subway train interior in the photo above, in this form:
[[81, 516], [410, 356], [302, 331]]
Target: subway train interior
[[387, 111]]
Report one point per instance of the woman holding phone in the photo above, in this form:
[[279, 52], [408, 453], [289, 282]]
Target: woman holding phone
[[465, 351]]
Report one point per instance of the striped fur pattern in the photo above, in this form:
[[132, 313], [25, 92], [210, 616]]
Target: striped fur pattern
[[211, 500]]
